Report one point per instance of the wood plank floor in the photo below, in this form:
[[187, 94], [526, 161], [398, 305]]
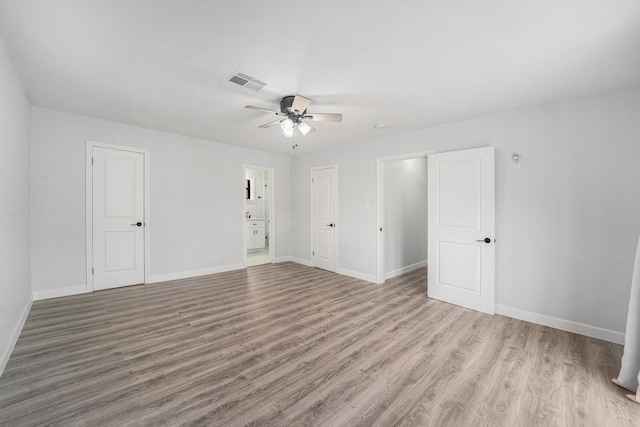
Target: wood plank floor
[[284, 344]]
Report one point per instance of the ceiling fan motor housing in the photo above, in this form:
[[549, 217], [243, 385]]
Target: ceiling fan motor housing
[[285, 107]]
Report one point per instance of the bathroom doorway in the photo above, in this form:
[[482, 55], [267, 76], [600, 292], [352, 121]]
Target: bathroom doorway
[[259, 215]]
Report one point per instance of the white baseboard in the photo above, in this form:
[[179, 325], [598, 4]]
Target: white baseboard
[[562, 324], [357, 275], [283, 259], [60, 292], [82, 289], [194, 273], [15, 335], [301, 261], [343, 271], [408, 268]]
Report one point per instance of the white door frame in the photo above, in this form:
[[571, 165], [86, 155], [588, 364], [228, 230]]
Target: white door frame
[[272, 210], [335, 204], [89, 205], [380, 163]]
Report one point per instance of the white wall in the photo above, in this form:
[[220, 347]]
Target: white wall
[[196, 200], [567, 222], [405, 214], [15, 280]]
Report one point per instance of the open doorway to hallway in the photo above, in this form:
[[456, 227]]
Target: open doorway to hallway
[[402, 214]]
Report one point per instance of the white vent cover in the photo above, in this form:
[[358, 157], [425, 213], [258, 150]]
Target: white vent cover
[[244, 81]]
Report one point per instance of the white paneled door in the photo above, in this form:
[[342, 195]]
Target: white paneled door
[[323, 217], [461, 228], [118, 218]]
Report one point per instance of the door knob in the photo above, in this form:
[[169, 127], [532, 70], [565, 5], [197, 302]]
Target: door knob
[[139, 224], [486, 240], [330, 225]]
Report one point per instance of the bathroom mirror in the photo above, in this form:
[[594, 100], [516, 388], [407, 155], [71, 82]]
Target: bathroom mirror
[[251, 189]]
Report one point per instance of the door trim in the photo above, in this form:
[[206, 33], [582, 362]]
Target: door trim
[[272, 211], [380, 163], [335, 204], [89, 205]]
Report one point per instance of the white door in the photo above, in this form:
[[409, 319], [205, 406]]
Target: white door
[[118, 218], [323, 217], [461, 228]]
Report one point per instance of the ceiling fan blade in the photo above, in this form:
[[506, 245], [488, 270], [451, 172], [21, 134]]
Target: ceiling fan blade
[[300, 104], [273, 123], [324, 117], [251, 107]]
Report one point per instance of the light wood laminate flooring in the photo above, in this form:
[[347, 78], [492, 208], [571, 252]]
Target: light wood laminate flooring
[[288, 345]]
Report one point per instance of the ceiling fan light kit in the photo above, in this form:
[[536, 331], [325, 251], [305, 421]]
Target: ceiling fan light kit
[[293, 109], [288, 132], [286, 124], [304, 127]]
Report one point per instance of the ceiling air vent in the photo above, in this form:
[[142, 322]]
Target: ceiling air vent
[[244, 81]]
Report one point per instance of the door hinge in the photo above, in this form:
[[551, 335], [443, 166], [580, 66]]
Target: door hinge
[[312, 181], [313, 253], [92, 271], [92, 160]]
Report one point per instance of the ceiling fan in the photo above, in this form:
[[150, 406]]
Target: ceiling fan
[[293, 115]]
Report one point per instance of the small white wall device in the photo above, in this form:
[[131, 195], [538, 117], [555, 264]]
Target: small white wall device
[[516, 161]]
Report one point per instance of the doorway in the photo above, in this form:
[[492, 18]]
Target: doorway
[[259, 194], [402, 214], [460, 225], [117, 216]]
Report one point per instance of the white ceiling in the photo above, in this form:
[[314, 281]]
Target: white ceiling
[[408, 64]]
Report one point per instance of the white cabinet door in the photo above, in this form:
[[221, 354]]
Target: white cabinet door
[[251, 239], [260, 237], [255, 234], [461, 228]]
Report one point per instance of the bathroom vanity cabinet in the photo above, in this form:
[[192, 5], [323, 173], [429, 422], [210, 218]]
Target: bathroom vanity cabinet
[[255, 234]]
